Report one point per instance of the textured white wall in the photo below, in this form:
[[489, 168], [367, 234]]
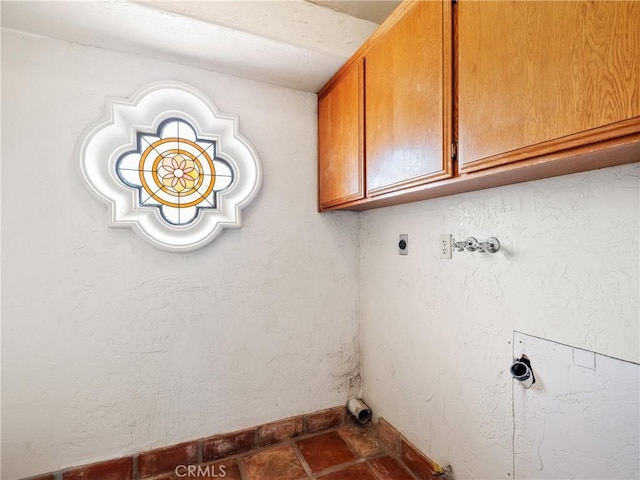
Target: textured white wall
[[437, 334], [110, 346], [580, 419]]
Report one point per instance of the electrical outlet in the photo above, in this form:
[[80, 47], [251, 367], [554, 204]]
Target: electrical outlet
[[444, 246], [403, 244]]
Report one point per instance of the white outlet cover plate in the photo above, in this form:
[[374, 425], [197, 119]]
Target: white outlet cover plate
[[444, 246]]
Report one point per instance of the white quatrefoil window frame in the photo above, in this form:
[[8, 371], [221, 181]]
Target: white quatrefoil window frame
[[169, 166]]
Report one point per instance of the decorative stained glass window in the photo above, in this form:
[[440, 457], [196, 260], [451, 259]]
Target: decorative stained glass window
[[170, 167], [175, 171]]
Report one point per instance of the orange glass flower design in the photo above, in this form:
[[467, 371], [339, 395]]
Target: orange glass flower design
[[178, 173]]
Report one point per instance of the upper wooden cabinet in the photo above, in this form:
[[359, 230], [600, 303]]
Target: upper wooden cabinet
[[523, 89], [340, 139], [398, 90], [545, 78], [408, 99]]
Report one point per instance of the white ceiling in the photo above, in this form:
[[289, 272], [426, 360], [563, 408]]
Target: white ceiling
[[292, 43], [373, 10]]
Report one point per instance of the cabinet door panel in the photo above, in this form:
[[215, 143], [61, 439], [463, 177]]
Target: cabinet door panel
[[408, 100], [536, 78], [340, 140]]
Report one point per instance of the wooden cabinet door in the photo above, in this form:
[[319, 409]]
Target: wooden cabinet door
[[340, 140], [545, 78], [408, 99]]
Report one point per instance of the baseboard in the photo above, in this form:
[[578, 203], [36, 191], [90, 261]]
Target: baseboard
[[421, 465], [163, 460]]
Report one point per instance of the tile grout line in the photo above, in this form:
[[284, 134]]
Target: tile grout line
[[360, 458], [398, 458], [241, 468], [374, 471], [348, 444], [377, 473], [199, 447], [384, 450], [310, 475], [135, 474], [340, 467], [301, 459]]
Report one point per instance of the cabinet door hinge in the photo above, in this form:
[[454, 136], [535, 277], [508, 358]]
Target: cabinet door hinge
[[454, 151]]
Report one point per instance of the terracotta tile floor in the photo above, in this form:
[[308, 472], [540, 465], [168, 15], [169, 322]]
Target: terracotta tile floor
[[346, 453]]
